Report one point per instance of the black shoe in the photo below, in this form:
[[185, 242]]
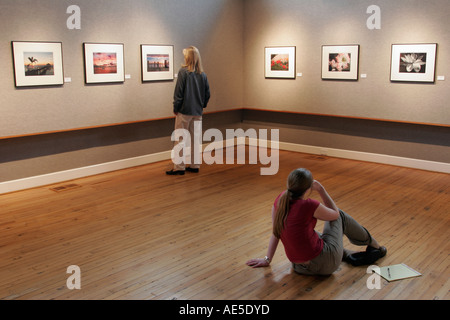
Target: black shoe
[[194, 170], [379, 253], [175, 172], [367, 257]]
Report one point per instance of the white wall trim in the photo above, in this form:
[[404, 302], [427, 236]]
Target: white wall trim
[[58, 177], [369, 157]]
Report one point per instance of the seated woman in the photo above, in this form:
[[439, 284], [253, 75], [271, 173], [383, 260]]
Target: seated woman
[[294, 218]]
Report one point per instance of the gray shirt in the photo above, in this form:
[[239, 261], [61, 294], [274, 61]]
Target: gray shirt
[[191, 94]]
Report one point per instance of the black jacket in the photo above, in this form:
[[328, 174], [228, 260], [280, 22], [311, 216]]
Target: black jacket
[[191, 94]]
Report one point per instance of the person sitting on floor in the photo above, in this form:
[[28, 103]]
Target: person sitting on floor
[[294, 218]]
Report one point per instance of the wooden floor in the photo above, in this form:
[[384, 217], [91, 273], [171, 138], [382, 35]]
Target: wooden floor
[[139, 234]]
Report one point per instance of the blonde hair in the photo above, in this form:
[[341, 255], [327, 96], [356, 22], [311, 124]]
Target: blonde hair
[[299, 181], [192, 60]]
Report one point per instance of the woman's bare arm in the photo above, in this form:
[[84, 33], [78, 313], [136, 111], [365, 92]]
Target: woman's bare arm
[[272, 248], [328, 211]]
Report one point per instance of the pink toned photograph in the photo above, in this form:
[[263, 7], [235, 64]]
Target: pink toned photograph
[[105, 62], [339, 62]]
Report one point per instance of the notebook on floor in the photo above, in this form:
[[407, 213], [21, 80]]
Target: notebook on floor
[[397, 272]]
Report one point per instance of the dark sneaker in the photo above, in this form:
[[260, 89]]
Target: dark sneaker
[[366, 257], [175, 172]]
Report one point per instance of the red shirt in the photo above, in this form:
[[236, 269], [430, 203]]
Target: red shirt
[[301, 242]]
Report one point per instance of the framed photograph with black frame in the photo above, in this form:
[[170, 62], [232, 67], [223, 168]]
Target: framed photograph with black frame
[[413, 62], [37, 63], [280, 62], [340, 62], [103, 62], [157, 62]]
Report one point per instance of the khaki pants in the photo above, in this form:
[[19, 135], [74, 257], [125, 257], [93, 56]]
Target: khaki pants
[[333, 245], [194, 140]]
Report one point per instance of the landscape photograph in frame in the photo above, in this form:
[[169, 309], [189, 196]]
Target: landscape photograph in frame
[[104, 63], [157, 62], [37, 63]]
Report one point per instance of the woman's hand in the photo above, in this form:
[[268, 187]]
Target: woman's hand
[[328, 211], [316, 186], [257, 263]]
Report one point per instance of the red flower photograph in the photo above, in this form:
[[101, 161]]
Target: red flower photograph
[[279, 62]]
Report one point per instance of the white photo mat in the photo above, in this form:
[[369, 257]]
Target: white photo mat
[[288, 61], [30, 56], [413, 62], [149, 56], [113, 73], [340, 62]]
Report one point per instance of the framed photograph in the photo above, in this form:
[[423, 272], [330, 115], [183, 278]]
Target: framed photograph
[[157, 62], [413, 62], [37, 63], [104, 62], [280, 62], [340, 62]]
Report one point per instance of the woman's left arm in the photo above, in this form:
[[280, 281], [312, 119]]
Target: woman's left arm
[[263, 262], [178, 95], [273, 244]]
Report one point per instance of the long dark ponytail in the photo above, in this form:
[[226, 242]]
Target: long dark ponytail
[[299, 181]]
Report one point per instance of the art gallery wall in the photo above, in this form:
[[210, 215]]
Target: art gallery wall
[[372, 115], [36, 123], [308, 25], [215, 27], [47, 130]]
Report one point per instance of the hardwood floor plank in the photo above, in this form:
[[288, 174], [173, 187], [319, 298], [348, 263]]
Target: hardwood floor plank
[[139, 234]]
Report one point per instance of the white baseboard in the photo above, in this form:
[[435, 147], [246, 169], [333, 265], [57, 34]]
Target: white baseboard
[[369, 157], [57, 177]]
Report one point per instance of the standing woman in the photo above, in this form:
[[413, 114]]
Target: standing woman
[[294, 217], [191, 96]]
